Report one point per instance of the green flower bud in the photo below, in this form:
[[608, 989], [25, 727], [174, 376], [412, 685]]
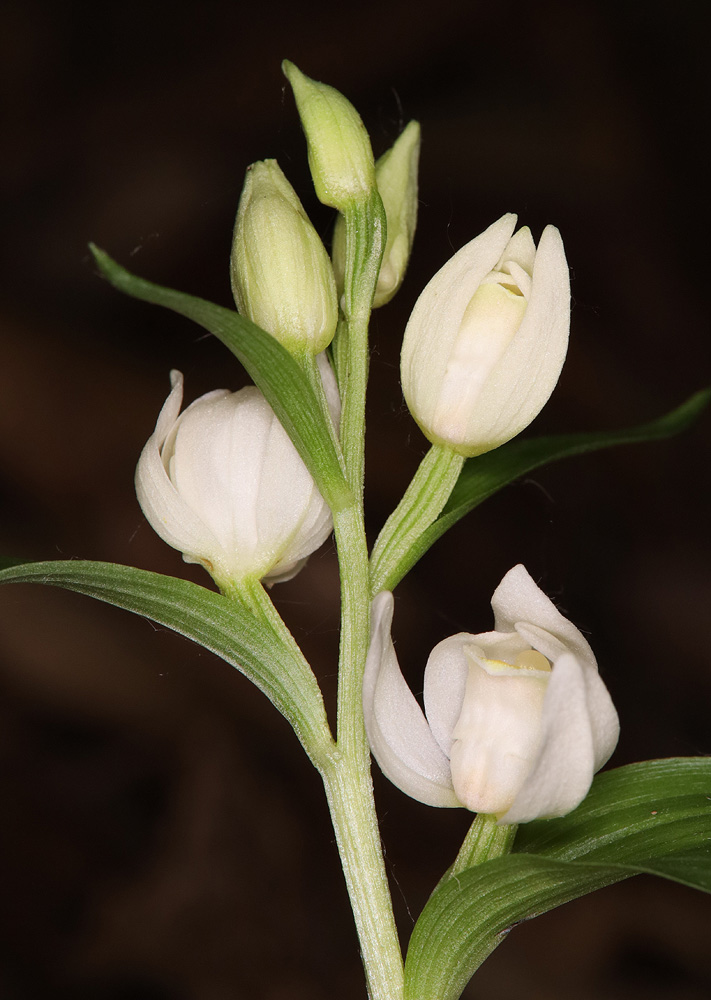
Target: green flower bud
[[340, 156], [396, 176], [282, 278]]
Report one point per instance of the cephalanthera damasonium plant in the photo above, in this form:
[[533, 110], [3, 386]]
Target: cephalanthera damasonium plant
[[516, 721]]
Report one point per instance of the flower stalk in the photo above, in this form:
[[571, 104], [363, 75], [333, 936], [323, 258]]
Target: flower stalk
[[485, 840], [365, 231], [421, 504]]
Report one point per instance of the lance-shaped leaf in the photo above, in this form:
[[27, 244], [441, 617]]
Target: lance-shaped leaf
[[285, 384], [217, 623], [485, 475], [652, 817]]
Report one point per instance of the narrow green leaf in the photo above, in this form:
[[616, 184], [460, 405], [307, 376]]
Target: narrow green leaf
[[468, 915], [471, 913], [653, 817], [630, 813], [215, 622], [283, 381], [485, 475]]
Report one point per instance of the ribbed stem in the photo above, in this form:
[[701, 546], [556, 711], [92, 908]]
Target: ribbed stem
[[365, 241], [485, 840], [350, 799], [422, 503]]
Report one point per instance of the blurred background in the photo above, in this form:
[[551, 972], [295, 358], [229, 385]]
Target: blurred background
[[163, 836]]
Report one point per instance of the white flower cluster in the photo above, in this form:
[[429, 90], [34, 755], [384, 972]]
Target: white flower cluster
[[517, 720]]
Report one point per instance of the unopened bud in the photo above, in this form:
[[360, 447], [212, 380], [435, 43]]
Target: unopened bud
[[396, 176], [486, 341], [340, 156], [282, 278]]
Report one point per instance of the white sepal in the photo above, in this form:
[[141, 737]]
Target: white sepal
[[399, 735], [563, 769], [166, 511]]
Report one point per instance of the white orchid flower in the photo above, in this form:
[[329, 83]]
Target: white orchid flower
[[486, 341], [224, 485], [517, 720]]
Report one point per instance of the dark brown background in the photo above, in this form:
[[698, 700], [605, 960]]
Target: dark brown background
[[162, 836]]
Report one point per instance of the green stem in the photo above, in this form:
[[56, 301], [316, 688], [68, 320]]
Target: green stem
[[348, 783], [355, 629], [485, 840], [422, 503], [350, 800], [365, 242], [347, 779]]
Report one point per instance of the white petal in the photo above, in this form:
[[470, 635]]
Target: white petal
[[525, 376], [171, 408], [562, 773], [604, 720], [520, 604], [168, 514], [168, 444], [519, 601], [521, 277], [605, 724], [435, 321], [444, 685], [500, 645], [520, 250], [284, 571], [316, 522], [498, 735], [293, 517], [446, 676], [399, 736], [216, 467], [489, 323]]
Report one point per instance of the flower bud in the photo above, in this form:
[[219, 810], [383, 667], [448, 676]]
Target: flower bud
[[516, 723], [396, 176], [224, 485], [282, 277], [340, 155], [486, 341]]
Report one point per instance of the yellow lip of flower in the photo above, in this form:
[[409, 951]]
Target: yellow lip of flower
[[528, 661]]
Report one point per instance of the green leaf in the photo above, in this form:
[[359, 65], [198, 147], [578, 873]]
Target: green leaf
[[285, 384], [630, 813], [485, 475], [215, 622], [653, 817]]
